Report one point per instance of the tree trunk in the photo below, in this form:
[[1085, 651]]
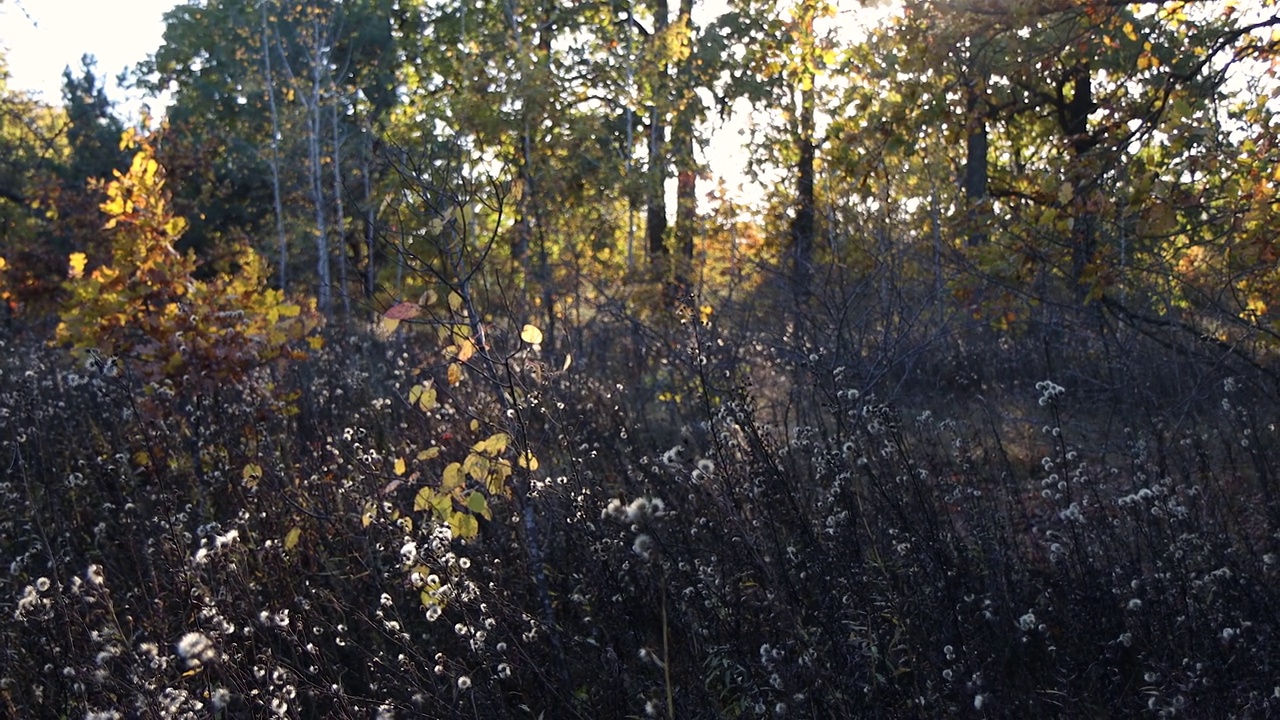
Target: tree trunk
[[686, 167], [315, 157], [274, 162], [656, 213], [975, 167], [1074, 119], [802, 224], [370, 231], [339, 211]]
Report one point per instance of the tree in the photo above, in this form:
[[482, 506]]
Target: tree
[[33, 151], [146, 307], [784, 56], [1096, 149], [265, 95], [93, 154]]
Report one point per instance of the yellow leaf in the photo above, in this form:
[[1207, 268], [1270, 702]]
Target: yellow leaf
[[466, 350], [251, 474], [423, 500], [454, 373], [528, 460], [423, 397], [492, 445], [452, 477], [78, 261], [497, 480], [442, 505], [385, 327], [1065, 193], [475, 425], [291, 540], [175, 227], [464, 526], [315, 342], [455, 302], [429, 453], [289, 310], [141, 458], [477, 466], [531, 335], [399, 467]]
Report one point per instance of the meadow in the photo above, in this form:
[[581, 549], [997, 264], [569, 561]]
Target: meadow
[[732, 514]]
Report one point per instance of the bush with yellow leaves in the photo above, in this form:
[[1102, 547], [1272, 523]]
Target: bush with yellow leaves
[[146, 307]]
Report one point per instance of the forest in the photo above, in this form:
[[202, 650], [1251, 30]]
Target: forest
[[410, 359]]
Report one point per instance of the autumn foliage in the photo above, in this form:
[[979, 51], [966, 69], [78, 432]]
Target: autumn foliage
[[147, 307]]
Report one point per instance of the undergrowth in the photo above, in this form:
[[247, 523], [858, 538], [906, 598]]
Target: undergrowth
[[727, 529]]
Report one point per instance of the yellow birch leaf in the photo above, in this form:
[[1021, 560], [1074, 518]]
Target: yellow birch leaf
[[423, 397], [464, 526], [429, 453], [399, 467], [385, 327], [78, 261], [423, 500], [442, 505], [291, 540], [454, 373], [531, 335], [455, 301], [452, 477], [251, 473], [477, 466], [492, 445], [528, 460], [466, 350]]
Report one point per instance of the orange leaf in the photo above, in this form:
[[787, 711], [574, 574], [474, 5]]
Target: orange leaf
[[403, 311]]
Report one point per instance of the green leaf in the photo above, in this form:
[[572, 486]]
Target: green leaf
[[478, 504]]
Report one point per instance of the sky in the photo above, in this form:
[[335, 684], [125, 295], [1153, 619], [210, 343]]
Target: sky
[[42, 37]]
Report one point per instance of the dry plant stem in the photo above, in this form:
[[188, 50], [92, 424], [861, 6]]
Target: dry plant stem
[[666, 652], [520, 486]]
